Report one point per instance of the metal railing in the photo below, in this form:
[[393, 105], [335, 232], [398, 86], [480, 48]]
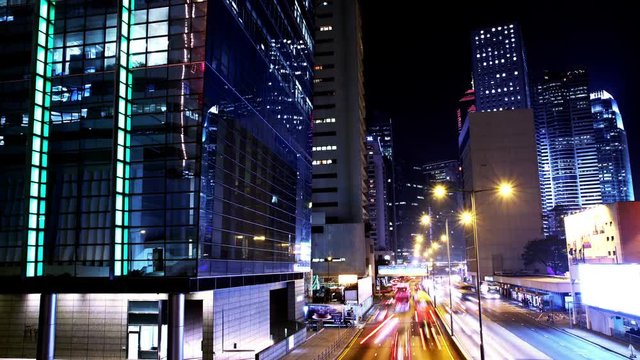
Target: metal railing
[[330, 351]]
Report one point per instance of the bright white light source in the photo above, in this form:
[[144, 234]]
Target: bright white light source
[[611, 286]]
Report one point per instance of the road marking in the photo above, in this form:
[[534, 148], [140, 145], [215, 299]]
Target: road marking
[[346, 351], [435, 337]]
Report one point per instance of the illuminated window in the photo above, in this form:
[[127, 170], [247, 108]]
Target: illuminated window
[[324, 148], [324, 162], [326, 28]]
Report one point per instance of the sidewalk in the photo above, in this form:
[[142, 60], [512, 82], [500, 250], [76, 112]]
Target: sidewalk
[[325, 344], [329, 342], [607, 342], [604, 341]]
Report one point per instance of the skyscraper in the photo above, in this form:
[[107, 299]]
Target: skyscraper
[[567, 154], [157, 184], [499, 68], [449, 174], [339, 157], [381, 126], [377, 195], [410, 204], [613, 153]]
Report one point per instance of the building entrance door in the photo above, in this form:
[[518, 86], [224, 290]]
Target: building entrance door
[[133, 345]]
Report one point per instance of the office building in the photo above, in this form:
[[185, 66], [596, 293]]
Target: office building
[[613, 152], [499, 68], [376, 195], [339, 155], [156, 181], [567, 152], [381, 126], [496, 147], [410, 205], [447, 173]]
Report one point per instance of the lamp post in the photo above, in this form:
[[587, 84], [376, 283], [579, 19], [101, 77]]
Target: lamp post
[[328, 260], [505, 190], [446, 238], [475, 245], [425, 220]]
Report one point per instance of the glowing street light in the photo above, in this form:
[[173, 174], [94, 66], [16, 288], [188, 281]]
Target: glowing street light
[[419, 239], [466, 217], [505, 190], [439, 191], [425, 220], [444, 238]]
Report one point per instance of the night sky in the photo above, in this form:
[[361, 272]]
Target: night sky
[[420, 92]]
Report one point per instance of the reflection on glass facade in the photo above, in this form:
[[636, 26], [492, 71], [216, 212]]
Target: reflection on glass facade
[[613, 151], [179, 140], [567, 153]]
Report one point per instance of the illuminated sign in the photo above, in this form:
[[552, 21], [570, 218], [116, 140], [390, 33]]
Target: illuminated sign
[[611, 286], [347, 279], [592, 235], [402, 270]]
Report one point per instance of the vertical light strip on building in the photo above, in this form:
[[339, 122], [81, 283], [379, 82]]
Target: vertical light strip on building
[[123, 143], [40, 138]]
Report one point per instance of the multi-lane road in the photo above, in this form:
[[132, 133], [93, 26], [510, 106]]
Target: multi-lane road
[[509, 332], [413, 334]]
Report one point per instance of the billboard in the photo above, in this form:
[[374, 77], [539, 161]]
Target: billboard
[[614, 287], [402, 270], [365, 289]]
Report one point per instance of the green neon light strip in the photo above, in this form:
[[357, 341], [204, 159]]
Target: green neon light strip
[[40, 117], [123, 144]]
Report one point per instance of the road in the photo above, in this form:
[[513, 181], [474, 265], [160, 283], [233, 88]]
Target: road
[[398, 336], [553, 342], [510, 332]]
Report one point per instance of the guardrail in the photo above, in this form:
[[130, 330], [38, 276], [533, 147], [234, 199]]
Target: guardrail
[[338, 345]]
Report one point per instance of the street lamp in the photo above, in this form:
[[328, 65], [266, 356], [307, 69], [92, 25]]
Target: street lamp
[[328, 260], [504, 190]]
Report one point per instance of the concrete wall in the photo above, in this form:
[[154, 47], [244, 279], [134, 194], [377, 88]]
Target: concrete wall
[[501, 146], [94, 326], [241, 317], [341, 241], [278, 350], [19, 325]]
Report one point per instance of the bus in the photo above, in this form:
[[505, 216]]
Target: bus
[[402, 294]]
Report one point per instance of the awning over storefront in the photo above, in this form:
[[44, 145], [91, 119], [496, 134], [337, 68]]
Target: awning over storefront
[[543, 283]]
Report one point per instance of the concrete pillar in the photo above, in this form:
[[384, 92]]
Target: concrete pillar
[[175, 348], [47, 327]]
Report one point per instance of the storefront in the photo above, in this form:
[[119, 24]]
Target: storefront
[[540, 292]]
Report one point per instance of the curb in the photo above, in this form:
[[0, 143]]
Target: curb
[[589, 341], [461, 351], [577, 336]]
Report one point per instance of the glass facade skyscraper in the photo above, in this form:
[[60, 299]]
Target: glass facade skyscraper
[[499, 68], [567, 154], [153, 140], [613, 153]]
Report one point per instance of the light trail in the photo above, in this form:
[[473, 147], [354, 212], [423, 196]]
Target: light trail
[[377, 329]]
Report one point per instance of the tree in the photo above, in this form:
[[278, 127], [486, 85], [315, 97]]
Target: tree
[[550, 251]]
